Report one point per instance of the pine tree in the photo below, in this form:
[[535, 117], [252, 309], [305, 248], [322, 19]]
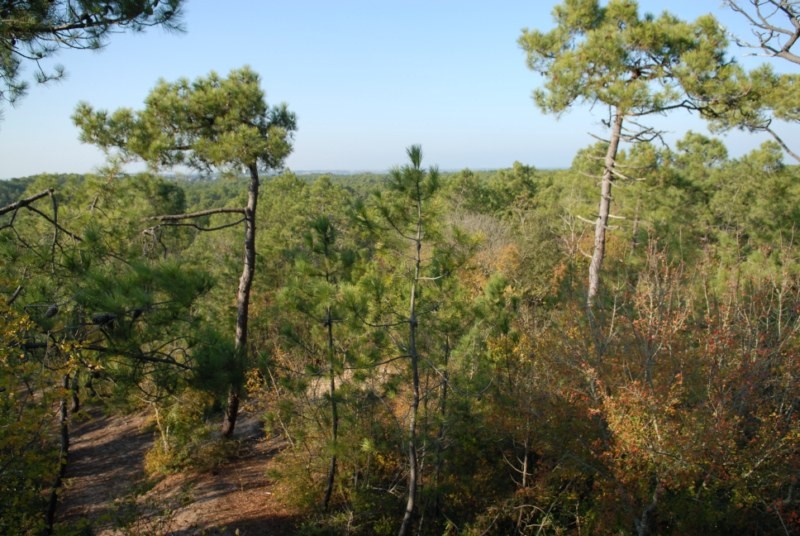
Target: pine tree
[[33, 30], [635, 66], [210, 123]]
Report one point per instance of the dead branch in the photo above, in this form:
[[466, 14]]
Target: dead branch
[[782, 143], [25, 202], [598, 138], [199, 214], [14, 296], [55, 223], [199, 228], [767, 33], [141, 356]]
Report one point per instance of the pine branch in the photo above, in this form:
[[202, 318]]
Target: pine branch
[[136, 355], [25, 202], [782, 144], [199, 214], [199, 228]]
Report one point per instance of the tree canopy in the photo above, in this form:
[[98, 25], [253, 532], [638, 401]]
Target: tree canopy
[[752, 101], [33, 30], [398, 342], [636, 66], [612, 55], [210, 122]]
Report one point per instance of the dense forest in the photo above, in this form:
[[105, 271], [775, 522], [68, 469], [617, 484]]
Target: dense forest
[[611, 348]]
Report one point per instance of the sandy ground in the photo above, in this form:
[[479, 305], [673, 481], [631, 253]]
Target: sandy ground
[[106, 486]]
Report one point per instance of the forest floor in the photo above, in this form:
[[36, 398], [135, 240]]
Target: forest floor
[[107, 491]]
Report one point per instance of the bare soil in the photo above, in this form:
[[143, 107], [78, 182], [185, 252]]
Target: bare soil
[[106, 488]]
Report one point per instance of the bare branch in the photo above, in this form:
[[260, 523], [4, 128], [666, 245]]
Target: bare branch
[[55, 223], [25, 202], [14, 296], [767, 33], [141, 356], [782, 144], [199, 214], [217, 228], [598, 138], [621, 175]]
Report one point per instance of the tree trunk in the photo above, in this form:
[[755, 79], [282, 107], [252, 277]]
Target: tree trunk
[[642, 523], [635, 228], [63, 416], [243, 302], [440, 437], [413, 466], [76, 396], [603, 211], [334, 410]]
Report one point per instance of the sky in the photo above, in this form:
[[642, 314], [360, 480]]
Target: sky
[[366, 79]]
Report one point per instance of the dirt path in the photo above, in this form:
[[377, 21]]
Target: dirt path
[[107, 488]]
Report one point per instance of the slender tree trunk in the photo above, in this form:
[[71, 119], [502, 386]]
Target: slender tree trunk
[[63, 415], [642, 523], [76, 396], [413, 465], [334, 410], [243, 301], [603, 211], [635, 229], [437, 471]]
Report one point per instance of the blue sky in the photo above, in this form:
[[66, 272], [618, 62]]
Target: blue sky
[[366, 78]]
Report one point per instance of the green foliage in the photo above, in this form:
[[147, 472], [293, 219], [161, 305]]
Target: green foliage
[[215, 366], [215, 122], [678, 387], [638, 65], [11, 190], [183, 438], [35, 29], [669, 409], [27, 460]]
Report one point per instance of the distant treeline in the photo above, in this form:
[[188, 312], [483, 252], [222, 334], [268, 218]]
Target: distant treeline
[[205, 191]]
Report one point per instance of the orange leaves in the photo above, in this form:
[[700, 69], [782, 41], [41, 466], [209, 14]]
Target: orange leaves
[[502, 258]]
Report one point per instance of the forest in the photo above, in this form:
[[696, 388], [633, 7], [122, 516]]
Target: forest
[[611, 348]]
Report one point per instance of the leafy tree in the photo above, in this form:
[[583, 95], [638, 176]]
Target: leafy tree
[[33, 30], [317, 296], [85, 301], [405, 212], [753, 101], [414, 187], [636, 66], [26, 454], [212, 122], [754, 205]]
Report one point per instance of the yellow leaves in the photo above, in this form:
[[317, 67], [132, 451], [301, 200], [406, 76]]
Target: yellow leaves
[[650, 429], [13, 326], [514, 347], [254, 382]]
